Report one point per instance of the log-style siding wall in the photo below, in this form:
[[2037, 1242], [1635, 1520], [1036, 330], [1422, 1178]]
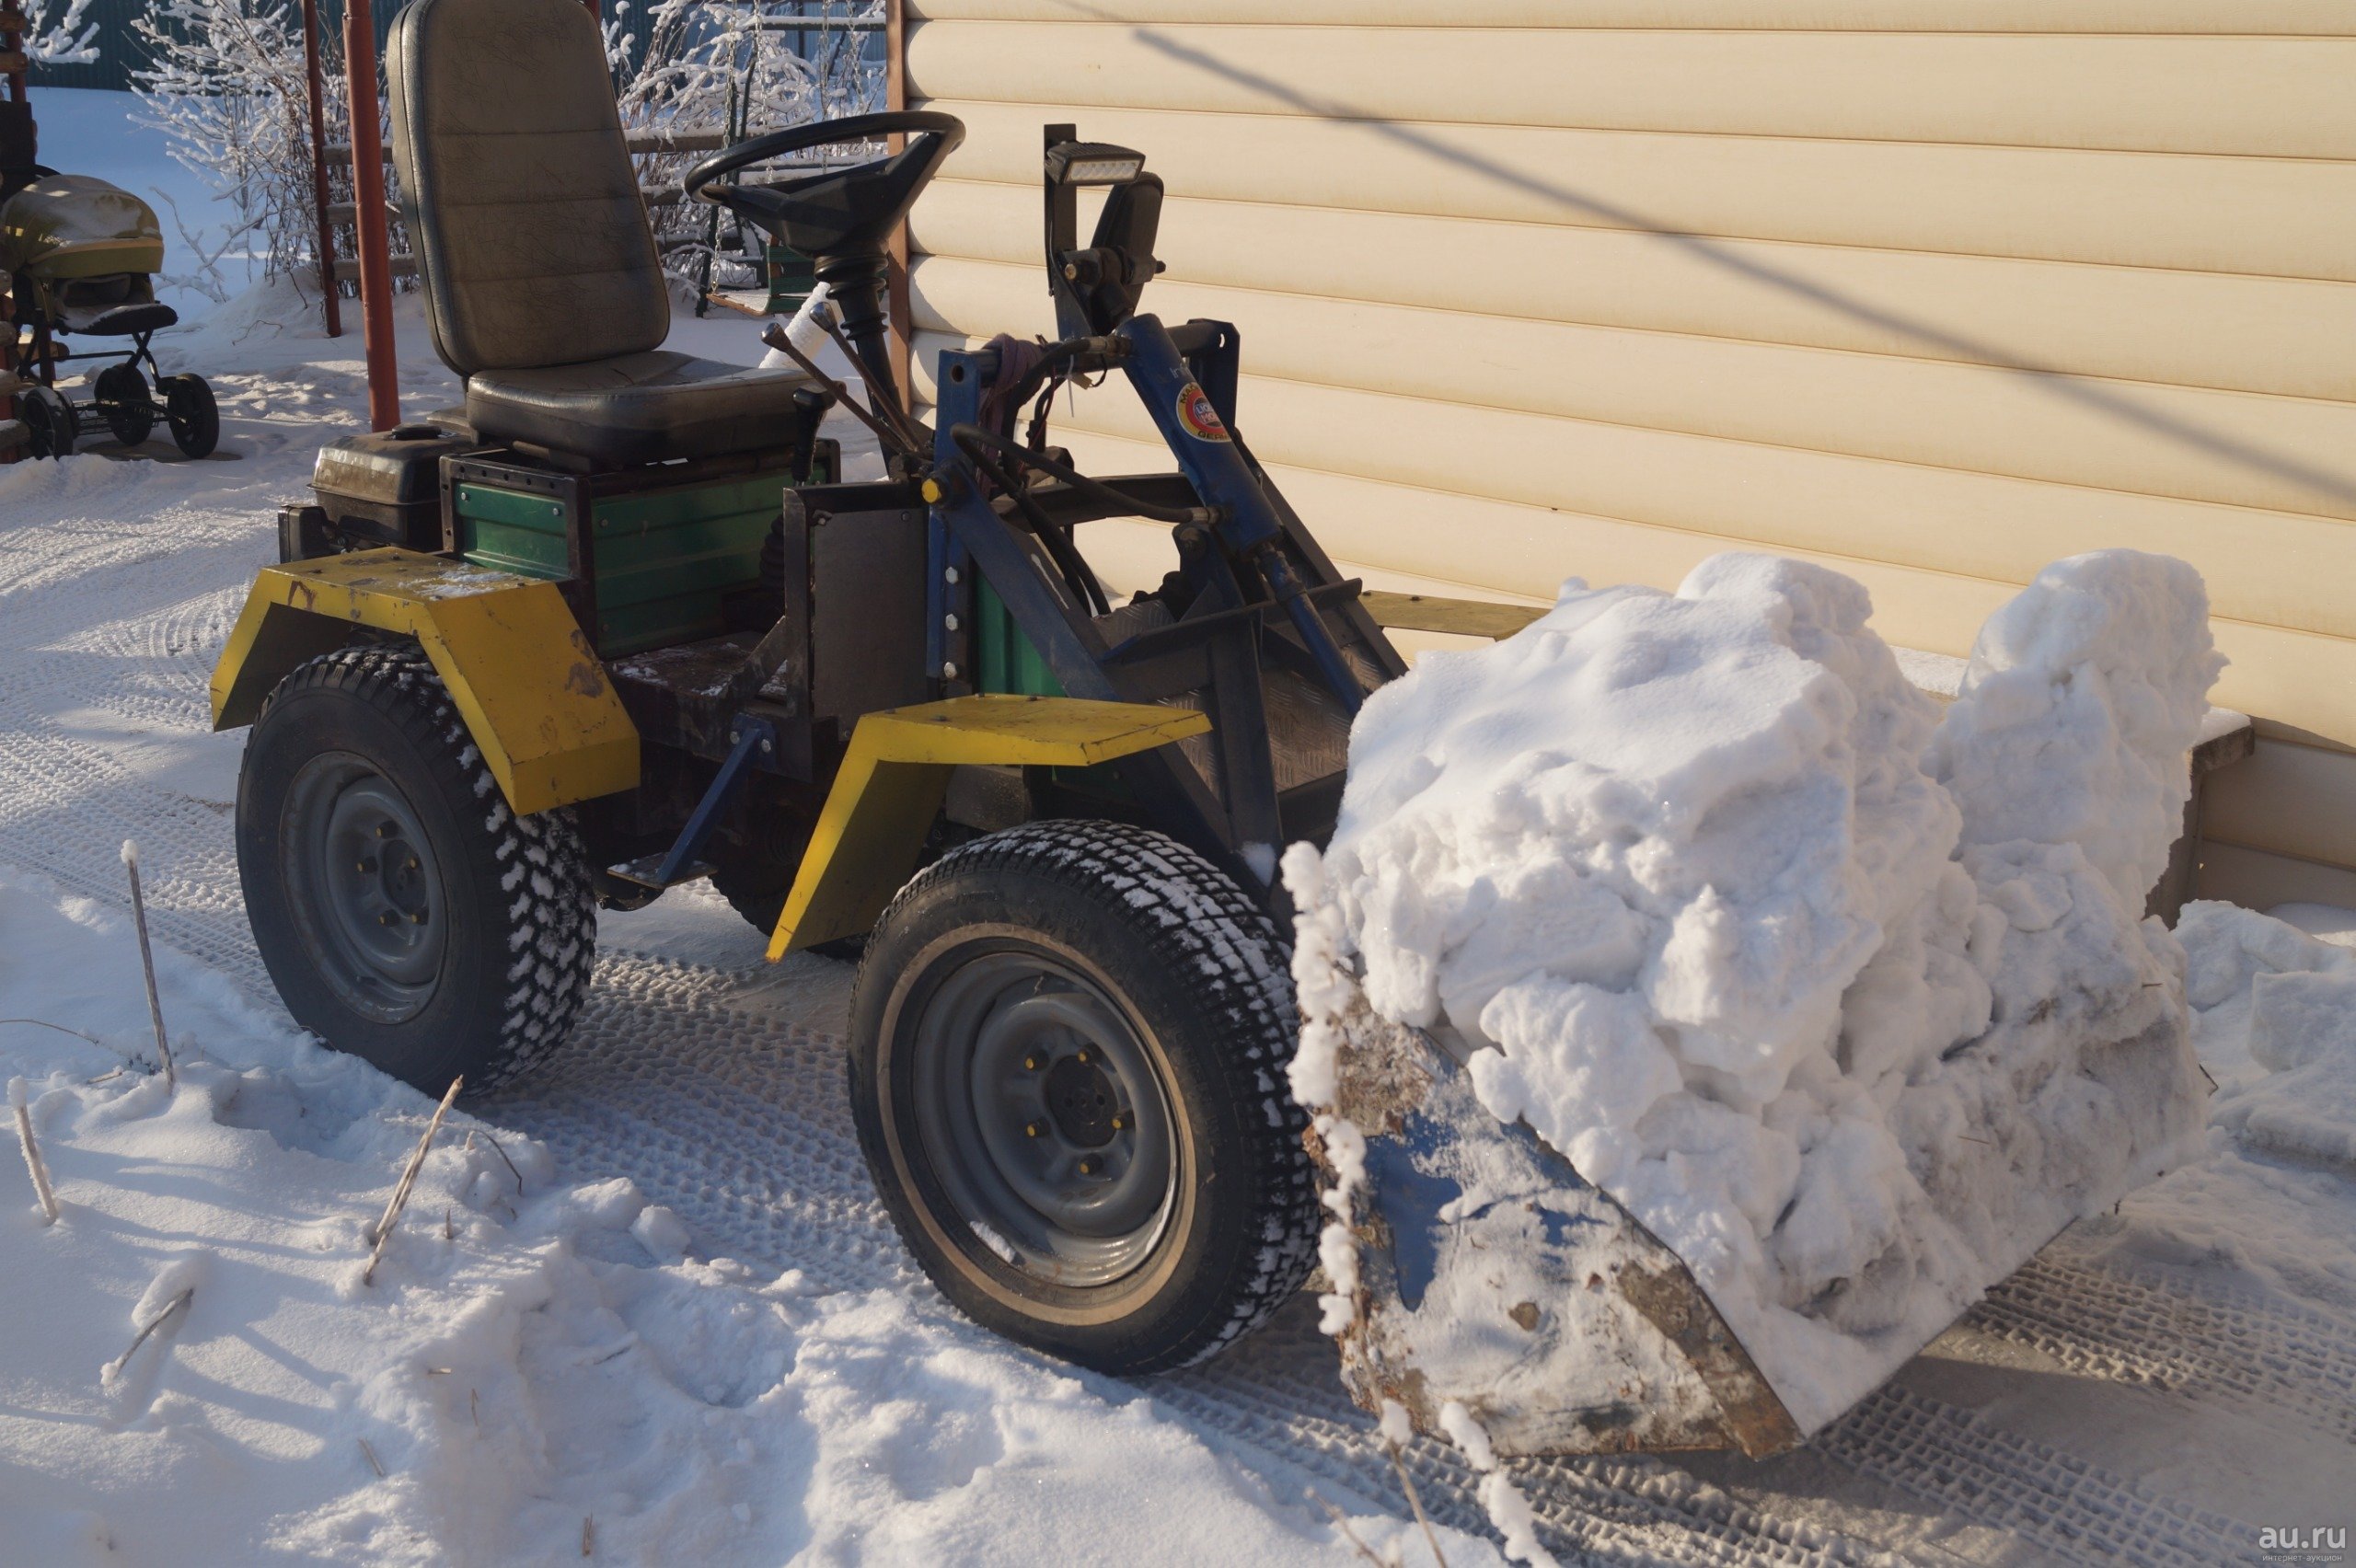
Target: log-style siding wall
[[1934, 290]]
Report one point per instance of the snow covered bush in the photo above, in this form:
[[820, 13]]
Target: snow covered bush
[[226, 86], [61, 34], [692, 70]]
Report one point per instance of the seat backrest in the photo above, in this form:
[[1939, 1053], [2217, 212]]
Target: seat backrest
[[531, 239]]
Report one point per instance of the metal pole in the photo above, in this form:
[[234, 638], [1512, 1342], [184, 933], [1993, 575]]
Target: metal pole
[[368, 196], [315, 88]]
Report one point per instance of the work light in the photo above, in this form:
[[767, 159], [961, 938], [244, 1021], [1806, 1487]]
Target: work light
[[1094, 163]]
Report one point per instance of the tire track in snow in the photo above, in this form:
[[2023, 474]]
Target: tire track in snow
[[2098, 1318], [1960, 1464]]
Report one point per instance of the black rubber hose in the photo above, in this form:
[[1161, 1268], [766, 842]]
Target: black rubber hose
[[970, 437], [1057, 540]]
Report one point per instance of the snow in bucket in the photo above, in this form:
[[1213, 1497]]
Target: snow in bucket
[[1852, 1006]]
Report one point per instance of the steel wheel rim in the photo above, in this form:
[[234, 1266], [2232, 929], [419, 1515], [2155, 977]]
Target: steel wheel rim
[[1043, 1114], [367, 889]]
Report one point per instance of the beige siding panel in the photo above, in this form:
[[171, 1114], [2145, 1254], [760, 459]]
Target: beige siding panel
[[2291, 800], [2283, 98], [2235, 448], [2284, 335], [2261, 881], [2269, 567], [2289, 217], [2292, 17]]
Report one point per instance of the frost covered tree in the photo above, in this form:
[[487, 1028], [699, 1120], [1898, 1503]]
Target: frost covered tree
[[61, 37], [691, 70], [226, 87]]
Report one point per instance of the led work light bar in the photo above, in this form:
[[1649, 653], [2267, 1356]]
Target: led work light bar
[[1094, 163]]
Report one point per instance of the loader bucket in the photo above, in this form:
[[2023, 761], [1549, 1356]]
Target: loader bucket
[[1546, 1311]]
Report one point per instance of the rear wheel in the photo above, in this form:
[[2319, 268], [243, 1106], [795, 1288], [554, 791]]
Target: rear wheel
[[407, 915], [50, 427], [1067, 1052]]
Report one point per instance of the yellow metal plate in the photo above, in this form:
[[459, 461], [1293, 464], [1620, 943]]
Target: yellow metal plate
[[1041, 732], [896, 771], [523, 677], [1463, 618]]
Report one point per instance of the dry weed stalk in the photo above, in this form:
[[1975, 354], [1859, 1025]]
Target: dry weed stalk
[[33, 1161], [408, 1178], [147, 961]]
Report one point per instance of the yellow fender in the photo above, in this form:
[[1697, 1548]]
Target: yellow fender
[[523, 677], [896, 773]]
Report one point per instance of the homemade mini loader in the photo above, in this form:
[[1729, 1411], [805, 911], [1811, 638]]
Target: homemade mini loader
[[624, 626]]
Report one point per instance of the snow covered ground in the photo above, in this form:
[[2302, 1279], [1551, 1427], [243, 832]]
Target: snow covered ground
[[2154, 1388]]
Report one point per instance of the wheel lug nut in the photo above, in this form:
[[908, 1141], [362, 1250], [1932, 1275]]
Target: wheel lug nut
[[1085, 1056], [367, 864], [386, 829], [1120, 1121], [418, 918], [1090, 1165], [1034, 1129], [1033, 1062], [387, 919], [410, 864]]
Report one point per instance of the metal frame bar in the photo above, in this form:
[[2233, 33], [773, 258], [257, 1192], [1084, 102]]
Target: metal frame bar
[[683, 861]]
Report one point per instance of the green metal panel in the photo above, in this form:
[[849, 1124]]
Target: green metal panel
[[512, 531], [666, 559], [1005, 659]]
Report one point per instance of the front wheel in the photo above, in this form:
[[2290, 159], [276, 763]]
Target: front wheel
[[195, 418], [406, 915], [1067, 1052]]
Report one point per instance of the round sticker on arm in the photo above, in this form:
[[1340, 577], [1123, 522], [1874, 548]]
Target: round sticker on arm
[[1196, 416]]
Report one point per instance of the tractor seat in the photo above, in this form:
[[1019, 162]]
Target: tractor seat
[[653, 407], [542, 285]]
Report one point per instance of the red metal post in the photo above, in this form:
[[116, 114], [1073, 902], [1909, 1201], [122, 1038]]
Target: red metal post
[[316, 89], [368, 196]]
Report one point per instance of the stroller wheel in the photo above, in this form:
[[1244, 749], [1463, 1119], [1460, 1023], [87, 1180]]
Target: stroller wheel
[[126, 404], [189, 408], [49, 422]]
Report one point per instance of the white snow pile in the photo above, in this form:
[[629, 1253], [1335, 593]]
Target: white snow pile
[[1852, 1007], [2275, 1020], [539, 1372]]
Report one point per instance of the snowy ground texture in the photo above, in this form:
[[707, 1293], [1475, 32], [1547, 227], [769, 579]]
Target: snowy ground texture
[[555, 1373]]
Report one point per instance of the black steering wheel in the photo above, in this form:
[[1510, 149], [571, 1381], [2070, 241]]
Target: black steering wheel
[[836, 214]]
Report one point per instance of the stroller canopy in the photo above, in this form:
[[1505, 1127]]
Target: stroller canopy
[[74, 225]]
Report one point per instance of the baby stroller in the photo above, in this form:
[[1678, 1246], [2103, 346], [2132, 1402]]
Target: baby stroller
[[80, 255]]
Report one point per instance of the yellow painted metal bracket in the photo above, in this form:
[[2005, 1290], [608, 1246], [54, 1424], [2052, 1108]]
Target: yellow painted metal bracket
[[896, 774], [523, 677]]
